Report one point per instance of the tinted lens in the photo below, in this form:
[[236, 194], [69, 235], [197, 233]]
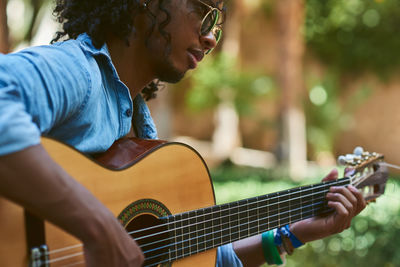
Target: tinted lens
[[209, 21]]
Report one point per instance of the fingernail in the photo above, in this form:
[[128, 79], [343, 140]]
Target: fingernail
[[352, 188]]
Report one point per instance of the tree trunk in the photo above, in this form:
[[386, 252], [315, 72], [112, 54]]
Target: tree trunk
[[4, 41], [226, 136], [291, 83]]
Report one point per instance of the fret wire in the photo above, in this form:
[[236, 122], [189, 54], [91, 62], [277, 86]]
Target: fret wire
[[258, 216], [301, 202], [279, 217], [197, 240], [341, 182], [289, 206], [248, 216], [179, 235], [176, 241], [159, 255], [169, 251], [229, 220], [312, 196], [268, 200], [220, 219], [212, 227], [208, 223]]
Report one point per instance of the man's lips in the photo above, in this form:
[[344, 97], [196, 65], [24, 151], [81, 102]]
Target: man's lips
[[196, 56]]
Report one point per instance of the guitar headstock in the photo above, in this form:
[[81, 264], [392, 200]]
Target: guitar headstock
[[367, 172]]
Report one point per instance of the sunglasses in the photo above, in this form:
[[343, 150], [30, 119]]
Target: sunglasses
[[211, 23]]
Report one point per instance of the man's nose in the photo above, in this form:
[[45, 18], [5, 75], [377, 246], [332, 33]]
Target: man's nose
[[208, 41]]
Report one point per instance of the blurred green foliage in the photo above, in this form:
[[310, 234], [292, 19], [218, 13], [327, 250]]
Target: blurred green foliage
[[354, 35], [328, 113], [351, 37], [219, 79], [24, 17], [372, 239]]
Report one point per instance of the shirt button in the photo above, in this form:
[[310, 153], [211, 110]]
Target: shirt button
[[128, 112]]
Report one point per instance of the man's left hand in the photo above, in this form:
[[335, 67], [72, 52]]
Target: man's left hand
[[347, 203]]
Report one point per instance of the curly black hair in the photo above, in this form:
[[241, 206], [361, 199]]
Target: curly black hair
[[99, 18]]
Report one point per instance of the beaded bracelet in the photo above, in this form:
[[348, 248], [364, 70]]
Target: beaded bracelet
[[286, 239], [286, 232], [270, 250]]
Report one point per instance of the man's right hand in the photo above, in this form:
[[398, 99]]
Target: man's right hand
[[33, 180], [112, 247]]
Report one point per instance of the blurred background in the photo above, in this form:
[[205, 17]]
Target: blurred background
[[292, 85]]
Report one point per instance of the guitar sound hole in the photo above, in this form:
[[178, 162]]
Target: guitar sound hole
[[153, 240]]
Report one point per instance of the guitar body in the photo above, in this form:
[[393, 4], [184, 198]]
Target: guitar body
[[153, 178]]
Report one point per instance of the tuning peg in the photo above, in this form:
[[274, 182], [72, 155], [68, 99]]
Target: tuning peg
[[342, 160], [350, 157], [358, 151]]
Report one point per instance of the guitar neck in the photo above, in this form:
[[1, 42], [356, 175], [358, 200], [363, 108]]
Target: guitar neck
[[199, 230]]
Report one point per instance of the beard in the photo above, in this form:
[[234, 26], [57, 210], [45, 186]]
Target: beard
[[167, 72], [165, 69]]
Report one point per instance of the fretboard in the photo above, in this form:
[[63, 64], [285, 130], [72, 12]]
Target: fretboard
[[199, 230]]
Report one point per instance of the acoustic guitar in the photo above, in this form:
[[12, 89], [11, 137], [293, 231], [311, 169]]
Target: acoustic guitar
[[163, 195]]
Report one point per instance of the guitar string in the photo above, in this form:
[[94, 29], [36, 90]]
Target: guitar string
[[232, 221], [311, 214], [324, 184], [205, 248], [73, 264], [238, 226], [54, 251], [81, 253], [235, 226], [351, 182], [163, 261], [267, 223], [237, 207], [393, 166], [287, 193], [238, 213], [220, 225], [184, 255], [213, 239]]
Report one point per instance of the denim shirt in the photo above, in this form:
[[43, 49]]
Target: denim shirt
[[71, 91]]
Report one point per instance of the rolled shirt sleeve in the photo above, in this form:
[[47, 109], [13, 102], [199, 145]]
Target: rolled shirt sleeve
[[39, 88], [226, 257], [17, 130]]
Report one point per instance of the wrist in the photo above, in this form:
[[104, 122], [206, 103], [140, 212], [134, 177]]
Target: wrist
[[299, 229], [285, 240], [272, 252], [99, 227]]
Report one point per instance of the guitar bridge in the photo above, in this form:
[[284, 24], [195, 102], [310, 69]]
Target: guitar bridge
[[39, 257]]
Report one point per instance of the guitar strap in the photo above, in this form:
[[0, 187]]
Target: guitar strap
[[34, 231]]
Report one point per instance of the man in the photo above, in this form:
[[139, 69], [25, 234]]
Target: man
[[86, 92]]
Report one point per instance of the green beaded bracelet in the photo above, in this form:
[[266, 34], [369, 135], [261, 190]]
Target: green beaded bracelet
[[271, 253]]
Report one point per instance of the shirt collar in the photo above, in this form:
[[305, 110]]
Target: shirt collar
[[141, 116], [88, 46]]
